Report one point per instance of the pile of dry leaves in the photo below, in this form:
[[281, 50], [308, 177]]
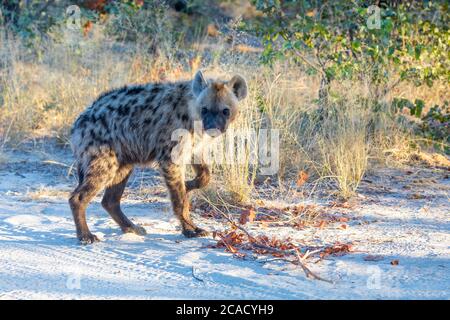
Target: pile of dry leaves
[[238, 241]]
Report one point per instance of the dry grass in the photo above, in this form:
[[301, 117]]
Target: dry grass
[[344, 154], [42, 94]]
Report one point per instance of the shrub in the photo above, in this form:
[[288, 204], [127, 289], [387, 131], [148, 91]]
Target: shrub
[[350, 39]]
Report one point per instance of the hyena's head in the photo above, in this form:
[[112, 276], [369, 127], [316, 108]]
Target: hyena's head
[[216, 102]]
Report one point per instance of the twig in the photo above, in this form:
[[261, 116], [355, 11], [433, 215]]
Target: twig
[[258, 244], [308, 253], [308, 272], [56, 163], [299, 261], [194, 276]]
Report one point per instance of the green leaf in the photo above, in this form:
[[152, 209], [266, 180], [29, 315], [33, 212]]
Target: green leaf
[[417, 52], [356, 45], [419, 105]]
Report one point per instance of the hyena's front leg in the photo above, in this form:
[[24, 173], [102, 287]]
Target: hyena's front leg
[[180, 202], [201, 179]]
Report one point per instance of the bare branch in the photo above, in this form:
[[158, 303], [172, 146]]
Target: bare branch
[[257, 244]]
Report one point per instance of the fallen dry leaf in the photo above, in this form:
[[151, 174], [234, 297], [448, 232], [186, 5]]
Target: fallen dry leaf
[[302, 178], [87, 28], [247, 215], [343, 226], [340, 204], [299, 224], [416, 196], [229, 240], [321, 224], [337, 249], [212, 30], [395, 262]]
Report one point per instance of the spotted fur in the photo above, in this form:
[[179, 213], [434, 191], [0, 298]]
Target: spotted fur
[[132, 126]]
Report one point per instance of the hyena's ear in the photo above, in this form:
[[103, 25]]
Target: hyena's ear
[[239, 86], [199, 84]]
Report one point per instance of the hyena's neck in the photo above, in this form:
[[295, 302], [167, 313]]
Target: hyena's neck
[[192, 122], [185, 109]]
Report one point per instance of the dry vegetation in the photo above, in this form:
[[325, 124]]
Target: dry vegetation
[[41, 94]]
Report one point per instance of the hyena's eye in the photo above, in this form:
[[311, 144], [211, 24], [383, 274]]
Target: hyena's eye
[[204, 111], [226, 112]]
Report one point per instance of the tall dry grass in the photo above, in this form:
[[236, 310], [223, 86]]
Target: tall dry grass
[[41, 94]]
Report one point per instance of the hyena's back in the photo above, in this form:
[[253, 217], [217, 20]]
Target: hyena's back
[[132, 123], [124, 127]]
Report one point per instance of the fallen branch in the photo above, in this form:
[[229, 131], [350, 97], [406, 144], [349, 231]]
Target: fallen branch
[[254, 242], [308, 272], [298, 261]]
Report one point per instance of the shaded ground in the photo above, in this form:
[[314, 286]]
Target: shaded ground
[[401, 214]]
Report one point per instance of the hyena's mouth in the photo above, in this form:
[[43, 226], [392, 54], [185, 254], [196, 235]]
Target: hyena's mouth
[[213, 132]]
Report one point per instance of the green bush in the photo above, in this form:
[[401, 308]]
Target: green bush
[[433, 125], [351, 39]]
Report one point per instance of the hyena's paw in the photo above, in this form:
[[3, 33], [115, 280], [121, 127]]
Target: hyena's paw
[[197, 232], [137, 229], [201, 232], [88, 238]]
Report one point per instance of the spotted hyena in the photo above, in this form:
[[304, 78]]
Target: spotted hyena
[[133, 126]]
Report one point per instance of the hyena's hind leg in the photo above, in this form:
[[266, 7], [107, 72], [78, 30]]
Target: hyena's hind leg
[[111, 201], [95, 175], [180, 202]]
